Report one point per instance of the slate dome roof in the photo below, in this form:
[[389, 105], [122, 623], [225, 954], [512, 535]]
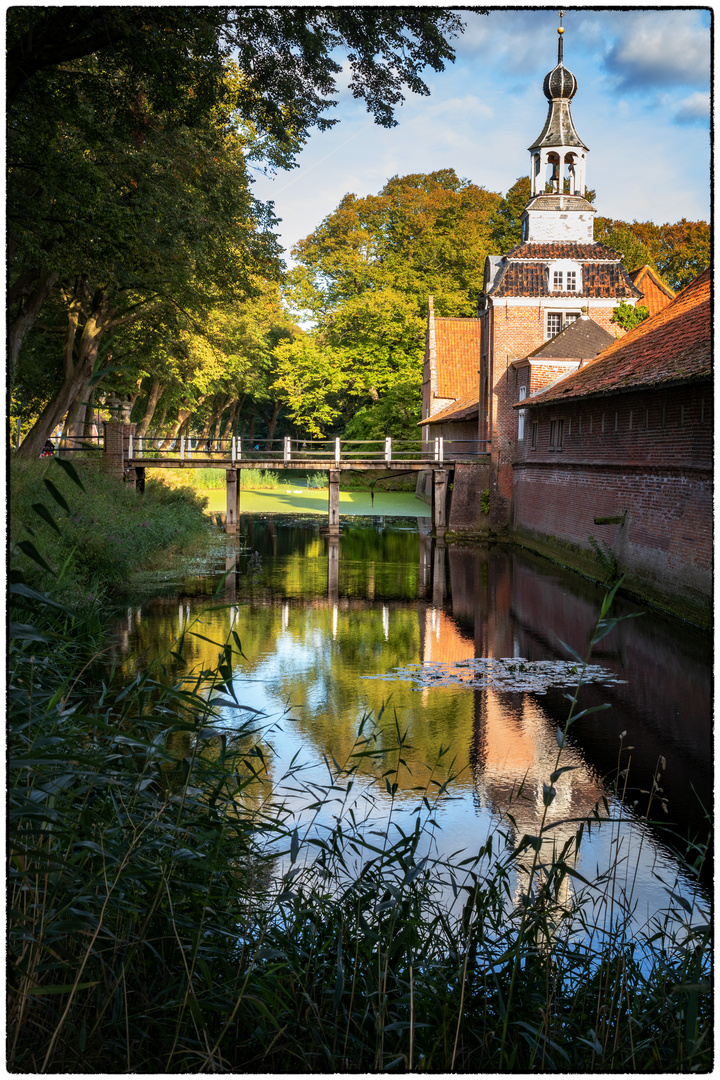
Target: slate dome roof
[[559, 83]]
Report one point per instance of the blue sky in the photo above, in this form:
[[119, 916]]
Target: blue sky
[[642, 108]]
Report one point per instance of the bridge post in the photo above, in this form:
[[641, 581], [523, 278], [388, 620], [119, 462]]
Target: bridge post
[[116, 449], [333, 566], [438, 574], [232, 490], [439, 500], [334, 500]]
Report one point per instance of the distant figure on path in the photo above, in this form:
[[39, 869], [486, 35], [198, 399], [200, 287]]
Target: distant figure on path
[[48, 449]]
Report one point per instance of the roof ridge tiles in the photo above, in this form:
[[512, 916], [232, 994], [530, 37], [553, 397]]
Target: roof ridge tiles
[[540, 250]]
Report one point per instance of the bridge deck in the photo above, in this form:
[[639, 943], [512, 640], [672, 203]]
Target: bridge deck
[[315, 465]]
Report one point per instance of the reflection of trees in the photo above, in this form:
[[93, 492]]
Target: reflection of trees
[[313, 656]]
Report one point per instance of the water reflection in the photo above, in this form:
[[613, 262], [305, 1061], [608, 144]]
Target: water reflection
[[317, 613]]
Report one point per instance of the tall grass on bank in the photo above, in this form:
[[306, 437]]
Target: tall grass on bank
[[206, 479], [96, 536], [166, 914]]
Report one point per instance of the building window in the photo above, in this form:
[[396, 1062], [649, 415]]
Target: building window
[[521, 414], [554, 323], [556, 435], [533, 436], [564, 276]]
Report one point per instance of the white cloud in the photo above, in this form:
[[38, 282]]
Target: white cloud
[[694, 109], [661, 48]]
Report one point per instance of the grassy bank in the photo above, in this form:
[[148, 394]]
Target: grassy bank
[[268, 479], [94, 539], [166, 915]]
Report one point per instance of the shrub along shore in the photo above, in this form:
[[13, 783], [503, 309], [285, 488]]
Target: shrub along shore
[[167, 915]]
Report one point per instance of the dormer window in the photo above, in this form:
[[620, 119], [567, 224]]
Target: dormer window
[[564, 277]]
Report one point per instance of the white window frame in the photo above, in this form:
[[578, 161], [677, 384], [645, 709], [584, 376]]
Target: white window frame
[[561, 268], [521, 414]]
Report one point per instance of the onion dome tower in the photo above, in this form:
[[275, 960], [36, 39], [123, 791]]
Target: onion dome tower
[[558, 209]]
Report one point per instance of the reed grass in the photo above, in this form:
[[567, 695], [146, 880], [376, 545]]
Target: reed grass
[[168, 914], [97, 535], [206, 479]]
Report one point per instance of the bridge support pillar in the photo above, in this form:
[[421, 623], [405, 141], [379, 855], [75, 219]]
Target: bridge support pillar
[[439, 499], [136, 477], [232, 487], [438, 574], [333, 567], [334, 500]]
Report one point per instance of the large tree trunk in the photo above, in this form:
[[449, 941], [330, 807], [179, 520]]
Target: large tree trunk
[[30, 292], [272, 422], [92, 311], [153, 397], [75, 419], [227, 431], [216, 417], [184, 414], [160, 425], [89, 418]]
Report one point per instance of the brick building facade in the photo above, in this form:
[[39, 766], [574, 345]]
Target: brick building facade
[[615, 466], [554, 276], [598, 453]]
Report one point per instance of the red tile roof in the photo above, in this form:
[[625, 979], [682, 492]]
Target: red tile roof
[[465, 408], [581, 252], [656, 294], [457, 350], [673, 346], [598, 280]]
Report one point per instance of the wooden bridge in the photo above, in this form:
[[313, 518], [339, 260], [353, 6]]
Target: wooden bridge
[[131, 457]]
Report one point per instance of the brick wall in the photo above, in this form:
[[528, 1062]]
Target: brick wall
[[647, 455], [116, 447], [466, 510]]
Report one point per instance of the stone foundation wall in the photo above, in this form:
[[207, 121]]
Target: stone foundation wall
[[468, 507]]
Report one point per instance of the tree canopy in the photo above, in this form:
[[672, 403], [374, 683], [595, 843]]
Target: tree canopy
[[129, 133], [363, 278]]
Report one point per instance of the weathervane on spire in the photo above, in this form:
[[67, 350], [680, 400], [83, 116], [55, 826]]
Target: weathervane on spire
[[561, 31]]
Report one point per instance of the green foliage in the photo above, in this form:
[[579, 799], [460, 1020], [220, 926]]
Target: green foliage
[[679, 252], [606, 560], [628, 316], [485, 501], [107, 532], [364, 277], [397, 415], [505, 221], [317, 480]]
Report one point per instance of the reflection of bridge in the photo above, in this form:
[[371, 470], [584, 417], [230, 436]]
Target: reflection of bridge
[[131, 457]]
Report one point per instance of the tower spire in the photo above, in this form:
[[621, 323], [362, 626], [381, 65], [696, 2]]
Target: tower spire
[[558, 159], [559, 146]]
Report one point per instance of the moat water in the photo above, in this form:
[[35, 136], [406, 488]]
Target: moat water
[[385, 623]]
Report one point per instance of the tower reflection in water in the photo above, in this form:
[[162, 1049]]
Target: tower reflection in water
[[318, 614]]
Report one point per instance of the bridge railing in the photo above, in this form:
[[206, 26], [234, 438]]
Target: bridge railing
[[72, 444], [326, 452]]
